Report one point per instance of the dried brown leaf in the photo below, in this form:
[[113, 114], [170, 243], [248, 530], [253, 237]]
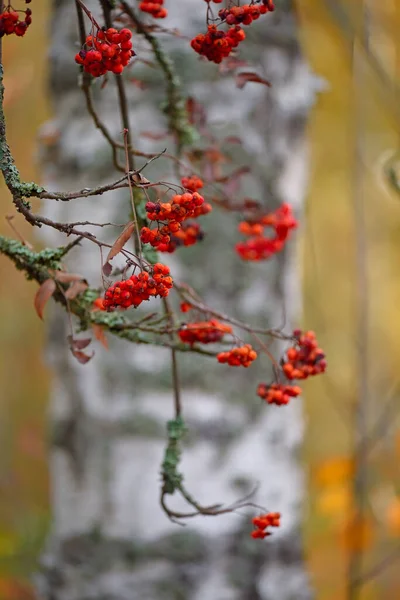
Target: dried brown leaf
[[246, 77], [63, 277], [107, 269], [81, 356], [76, 288], [120, 241], [78, 344], [43, 295], [100, 335]]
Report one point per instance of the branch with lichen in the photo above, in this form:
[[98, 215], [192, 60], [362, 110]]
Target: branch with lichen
[[175, 109]]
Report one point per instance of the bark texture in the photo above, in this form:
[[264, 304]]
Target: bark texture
[[110, 538]]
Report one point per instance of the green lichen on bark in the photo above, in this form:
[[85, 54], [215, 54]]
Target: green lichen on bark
[[35, 264], [172, 479]]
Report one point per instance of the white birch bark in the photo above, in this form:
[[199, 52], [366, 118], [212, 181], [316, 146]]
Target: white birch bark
[[110, 539]]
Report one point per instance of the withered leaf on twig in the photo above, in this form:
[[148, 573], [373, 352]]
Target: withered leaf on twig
[[76, 347], [81, 356], [100, 335], [63, 277], [76, 288], [120, 241], [246, 77], [43, 295], [107, 268], [78, 344]]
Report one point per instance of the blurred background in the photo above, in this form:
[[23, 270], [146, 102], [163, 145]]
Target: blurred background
[[349, 250]]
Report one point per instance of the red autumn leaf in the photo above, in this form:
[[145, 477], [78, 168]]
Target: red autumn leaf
[[230, 64], [246, 77], [78, 344], [63, 277], [120, 241], [81, 357], [75, 289], [43, 295], [107, 268], [99, 334]]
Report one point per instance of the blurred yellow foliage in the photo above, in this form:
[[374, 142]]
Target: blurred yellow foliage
[[356, 534], [335, 501], [393, 517], [334, 471]]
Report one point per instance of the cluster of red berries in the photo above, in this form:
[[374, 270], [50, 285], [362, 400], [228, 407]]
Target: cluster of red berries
[[241, 356], [260, 247], [189, 234], [181, 207], [205, 332], [216, 45], [277, 393], [166, 240], [11, 23], [155, 8], [305, 358], [262, 523], [108, 50], [192, 183], [136, 289], [173, 232], [244, 15]]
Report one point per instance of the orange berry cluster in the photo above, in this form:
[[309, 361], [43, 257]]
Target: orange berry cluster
[[216, 45], [136, 289], [11, 23], [155, 8], [108, 50], [244, 15], [192, 183], [165, 241], [188, 235], [205, 332], [260, 247], [262, 523], [277, 393], [241, 356], [173, 233], [305, 358], [181, 207]]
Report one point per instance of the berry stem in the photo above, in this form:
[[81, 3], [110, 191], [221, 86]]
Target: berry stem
[[174, 362]]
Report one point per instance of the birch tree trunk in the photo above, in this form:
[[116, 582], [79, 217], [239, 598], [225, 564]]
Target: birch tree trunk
[[110, 538]]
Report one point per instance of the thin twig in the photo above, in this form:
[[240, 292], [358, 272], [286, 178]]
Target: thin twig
[[360, 481]]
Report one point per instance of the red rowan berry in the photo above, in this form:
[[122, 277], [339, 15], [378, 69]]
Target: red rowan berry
[[98, 304], [241, 356], [185, 307], [205, 332], [138, 288], [305, 358], [108, 50], [260, 247], [262, 523], [11, 23], [276, 393], [154, 8], [192, 183]]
